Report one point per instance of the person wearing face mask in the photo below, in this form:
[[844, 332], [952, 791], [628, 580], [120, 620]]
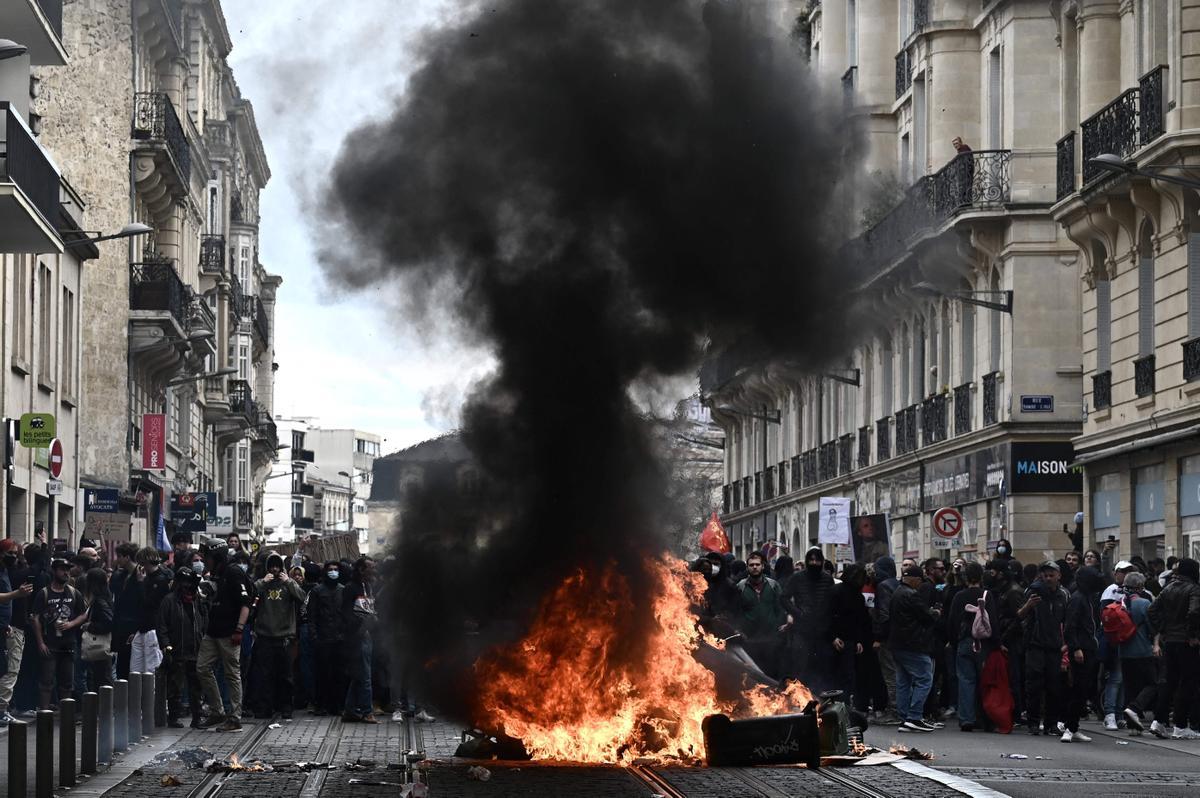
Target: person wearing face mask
[[325, 618], [808, 599], [228, 612], [57, 615], [358, 616], [14, 633], [280, 599], [182, 616], [1004, 549], [1043, 615]]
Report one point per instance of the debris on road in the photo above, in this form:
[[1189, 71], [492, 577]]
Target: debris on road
[[476, 773], [189, 757], [1122, 742], [1013, 756], [369, 783], [170, 780], [910, 753], [274, 725], [235, 765]]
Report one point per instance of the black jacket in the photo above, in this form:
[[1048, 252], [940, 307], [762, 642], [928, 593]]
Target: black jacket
[[810, 603], [127, 603], [179, 629], [1079, 628], [885, 586], [100, 616], [1005, 622], [912, 622], [325, 612], [959, 621], [1043, 625], [851, 621], [1176, 611], [155, 588]]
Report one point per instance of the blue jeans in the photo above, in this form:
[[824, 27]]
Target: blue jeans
[[1113, 682], [914, 677], [967, 665], [358, 695]]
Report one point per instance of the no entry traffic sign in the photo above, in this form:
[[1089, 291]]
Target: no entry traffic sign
[[56, 458], [947, 523]]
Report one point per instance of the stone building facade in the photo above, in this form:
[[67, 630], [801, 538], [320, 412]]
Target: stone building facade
[[177, 323], [1130, 89], [965, 391]]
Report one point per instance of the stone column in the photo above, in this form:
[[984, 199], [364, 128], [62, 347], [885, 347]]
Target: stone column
[[1099, 57], [952, 82]]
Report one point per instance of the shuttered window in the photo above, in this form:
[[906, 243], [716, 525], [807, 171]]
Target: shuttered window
[[1145, 300], [886, 397], [1193, 285], [1103, 326]]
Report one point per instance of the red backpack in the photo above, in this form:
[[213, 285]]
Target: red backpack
[[1118, 623]]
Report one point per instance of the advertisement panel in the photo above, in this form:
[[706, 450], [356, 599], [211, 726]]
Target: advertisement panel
[[154, 441], [102, 515], [967, 478], [190, 511], [1044, 467]]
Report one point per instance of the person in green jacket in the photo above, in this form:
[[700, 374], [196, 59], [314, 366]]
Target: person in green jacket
[[278, 603], [762, 616]]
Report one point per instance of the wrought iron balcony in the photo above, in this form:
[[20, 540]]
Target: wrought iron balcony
[[781, 478], [154, 285], [906, 430], [1131, 121], [991, 407], [796, 473], [883, 439], [903, 73], [726, 493], [1066, 165], [768, 483], [972, 180], [306, 489], [155, 119], [25, 164], [962, 409], [864, 447], [845, 454], [746, 492], [1143, 376], [262, 325], [237, 300], [827, 463], [810, 468], [758, 487], [241, 399], [934, 419], [1191, 360], [1102, 390], [212, 254]]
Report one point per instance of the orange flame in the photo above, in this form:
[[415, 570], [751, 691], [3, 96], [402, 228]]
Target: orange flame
[[584, 686]]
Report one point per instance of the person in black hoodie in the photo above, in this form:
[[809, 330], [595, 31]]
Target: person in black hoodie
[[1079, 634], [1175, 616], [969, 652], [808, 599], [783, 570], [1006, 624], [851, 628], [885, 587], [1043, 615], [325, 619]]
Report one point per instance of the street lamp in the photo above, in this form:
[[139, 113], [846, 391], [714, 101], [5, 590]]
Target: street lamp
[[10, 49], [1116, 165], [128, 231], [970, 297]]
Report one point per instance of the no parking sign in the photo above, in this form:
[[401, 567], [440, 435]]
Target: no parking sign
[[947, 526]]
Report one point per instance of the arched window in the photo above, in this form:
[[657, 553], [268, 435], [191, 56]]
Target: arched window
[[994, 349], [887, 362], [943, 376], [905, 367], [918, 353], [1146, 290], [966, 348], [1103, 309]]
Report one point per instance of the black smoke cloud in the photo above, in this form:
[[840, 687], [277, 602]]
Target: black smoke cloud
[[607, 185]]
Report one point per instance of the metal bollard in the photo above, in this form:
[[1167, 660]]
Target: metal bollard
[[66, 742], [43, 768], [87, 737], [105, 723], [134, 707], [121, 716], [18, 751], [148, 704]]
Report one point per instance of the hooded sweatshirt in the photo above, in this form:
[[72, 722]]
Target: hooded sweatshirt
[[885, 586], [278, 603], [808, 597], [1079, 629]]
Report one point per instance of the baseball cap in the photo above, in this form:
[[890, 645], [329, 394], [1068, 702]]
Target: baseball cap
[[914, 571], [1124, 565], [1050, 565]]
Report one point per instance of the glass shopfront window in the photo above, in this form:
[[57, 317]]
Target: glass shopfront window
[[1106, 506]]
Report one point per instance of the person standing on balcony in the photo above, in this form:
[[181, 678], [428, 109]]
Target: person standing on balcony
[[966, 173]]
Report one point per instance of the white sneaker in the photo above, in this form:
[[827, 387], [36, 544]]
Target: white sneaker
[[1158, 730], [1062, 727], [1080, 737], [1184, 734], [1066, 737], [1132, 720], [425, 717], [1110, 722]]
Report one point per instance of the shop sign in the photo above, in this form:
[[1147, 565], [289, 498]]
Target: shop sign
[[1044, 467], [966, 478], [102, 516], [37, 430], [154, 441], [190, 511]]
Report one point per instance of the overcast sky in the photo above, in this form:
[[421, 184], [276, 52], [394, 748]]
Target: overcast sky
[[315, 71]]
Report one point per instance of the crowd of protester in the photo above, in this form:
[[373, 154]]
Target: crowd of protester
[[228, 633], [992, 645]]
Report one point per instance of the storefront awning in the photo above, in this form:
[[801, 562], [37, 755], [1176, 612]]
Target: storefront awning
[[1136, 445]]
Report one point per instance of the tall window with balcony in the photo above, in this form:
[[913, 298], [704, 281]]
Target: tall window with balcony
[[918, 356], [67, 384], [21, 309], [1191, 347], [905, 367], [920, 146], [1143, 367], [46, 295], [995, 99], [943, 375]]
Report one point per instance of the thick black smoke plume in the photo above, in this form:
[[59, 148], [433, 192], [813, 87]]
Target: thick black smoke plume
[[606, 184]]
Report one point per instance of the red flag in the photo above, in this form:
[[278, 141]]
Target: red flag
[[713, 538]]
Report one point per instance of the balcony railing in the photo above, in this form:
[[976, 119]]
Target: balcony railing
[[726, 493], [1126, 124], [212, 254], [262, 325], [1102, 390], [26, 164], [810, 468], [962, 409], [883, 439], [202, 316], [781, 478], [745, 492], [845, 454], [991, 408], [1066, 165], [864, 447], [827, 464], [154, 285], [1191, 359], [934, 419], [972, 179], [154, 119], [307, 490], [906, 430], [758, 487], [796, 473], [903, 73], [1143, 376], [237, 300], [241, 399], [303, 522]]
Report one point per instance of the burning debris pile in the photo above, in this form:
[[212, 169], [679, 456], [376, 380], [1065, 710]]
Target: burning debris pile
[[595, 192], [233, 764]]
